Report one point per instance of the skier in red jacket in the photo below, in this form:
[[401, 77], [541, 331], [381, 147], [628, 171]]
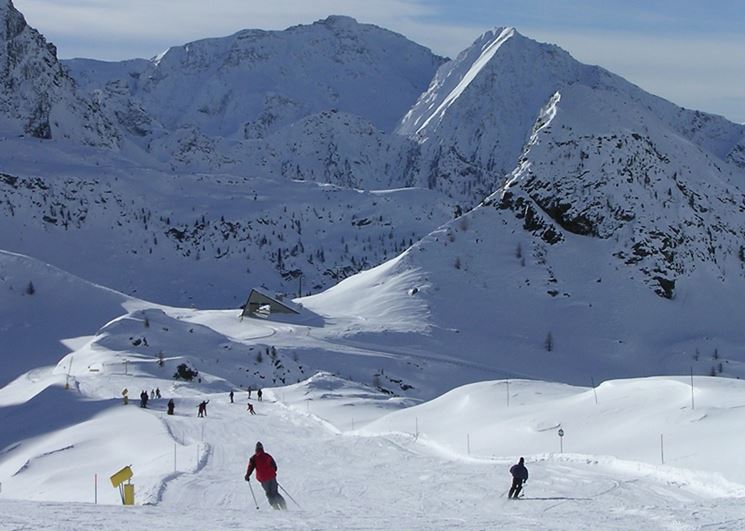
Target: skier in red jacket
[[266, 474]]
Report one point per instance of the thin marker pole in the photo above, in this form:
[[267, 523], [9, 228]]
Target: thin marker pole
[[508, 393], [693, 404], [468, 443], [95, 488], [594, 391], [174, 457], [662, 450]]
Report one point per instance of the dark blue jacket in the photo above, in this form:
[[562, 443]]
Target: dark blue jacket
[[519, 472]]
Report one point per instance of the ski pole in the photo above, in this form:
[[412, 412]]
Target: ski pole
[[253, 495], [289, 496]]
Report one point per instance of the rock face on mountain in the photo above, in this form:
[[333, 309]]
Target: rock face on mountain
[[477, 115], [38, 98], [594, 156], [614, 242]]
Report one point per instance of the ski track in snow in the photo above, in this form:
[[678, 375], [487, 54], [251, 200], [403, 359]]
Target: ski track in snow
[[344, 481]]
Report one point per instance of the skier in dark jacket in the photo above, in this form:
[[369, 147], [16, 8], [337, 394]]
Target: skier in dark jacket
[[519, 476], [231, 396], [259, 394], [171, 405], [266, 474]]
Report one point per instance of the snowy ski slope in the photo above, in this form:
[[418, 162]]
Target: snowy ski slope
[[345, 466]]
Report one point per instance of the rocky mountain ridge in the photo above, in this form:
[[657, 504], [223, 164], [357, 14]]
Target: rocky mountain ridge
[[38, 97]]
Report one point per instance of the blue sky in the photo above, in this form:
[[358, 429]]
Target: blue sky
[[690, 52]]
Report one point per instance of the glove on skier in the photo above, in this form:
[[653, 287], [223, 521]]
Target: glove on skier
[[247, 477]]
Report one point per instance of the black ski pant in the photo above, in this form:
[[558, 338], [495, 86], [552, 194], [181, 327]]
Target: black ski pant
[[272, 494], [517, 486]]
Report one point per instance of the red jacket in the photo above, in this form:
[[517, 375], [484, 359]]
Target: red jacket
[[264, 465]]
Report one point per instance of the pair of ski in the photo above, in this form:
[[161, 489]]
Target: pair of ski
[[283, 490], [519, 496]]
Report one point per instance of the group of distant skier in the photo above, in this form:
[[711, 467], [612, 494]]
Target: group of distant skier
[[145, 397], [266, 467]]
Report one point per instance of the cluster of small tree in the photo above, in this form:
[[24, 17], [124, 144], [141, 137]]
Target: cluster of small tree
[[184, 372]]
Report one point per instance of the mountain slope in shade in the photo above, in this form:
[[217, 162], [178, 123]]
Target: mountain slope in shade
[[207, 240], [253, 82], [38, 98], [41, 306]]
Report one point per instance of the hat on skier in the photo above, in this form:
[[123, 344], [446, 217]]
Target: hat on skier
[[259, 446]]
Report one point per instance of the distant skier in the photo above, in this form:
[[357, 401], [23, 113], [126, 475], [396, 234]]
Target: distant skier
[[266, 474], [157, 392], [171, 405], [143, 399], [251, 408], [519, 476], [202, 409], [152, 394], [259, 394], [249, 391], [125, 396], [231, 396]]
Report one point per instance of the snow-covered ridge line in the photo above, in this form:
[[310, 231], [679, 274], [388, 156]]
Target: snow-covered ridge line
[[489, 49]]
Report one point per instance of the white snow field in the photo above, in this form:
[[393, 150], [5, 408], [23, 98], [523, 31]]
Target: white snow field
[[351, 463], [475, 250], [351, 455]]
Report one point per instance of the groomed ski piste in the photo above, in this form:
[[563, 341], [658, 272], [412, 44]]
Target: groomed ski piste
[[353, 459], [349, 455]]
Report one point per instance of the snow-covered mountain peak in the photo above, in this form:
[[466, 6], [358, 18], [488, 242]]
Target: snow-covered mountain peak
[[339, 21], [235, 82], [449, 83], [497, 62]]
